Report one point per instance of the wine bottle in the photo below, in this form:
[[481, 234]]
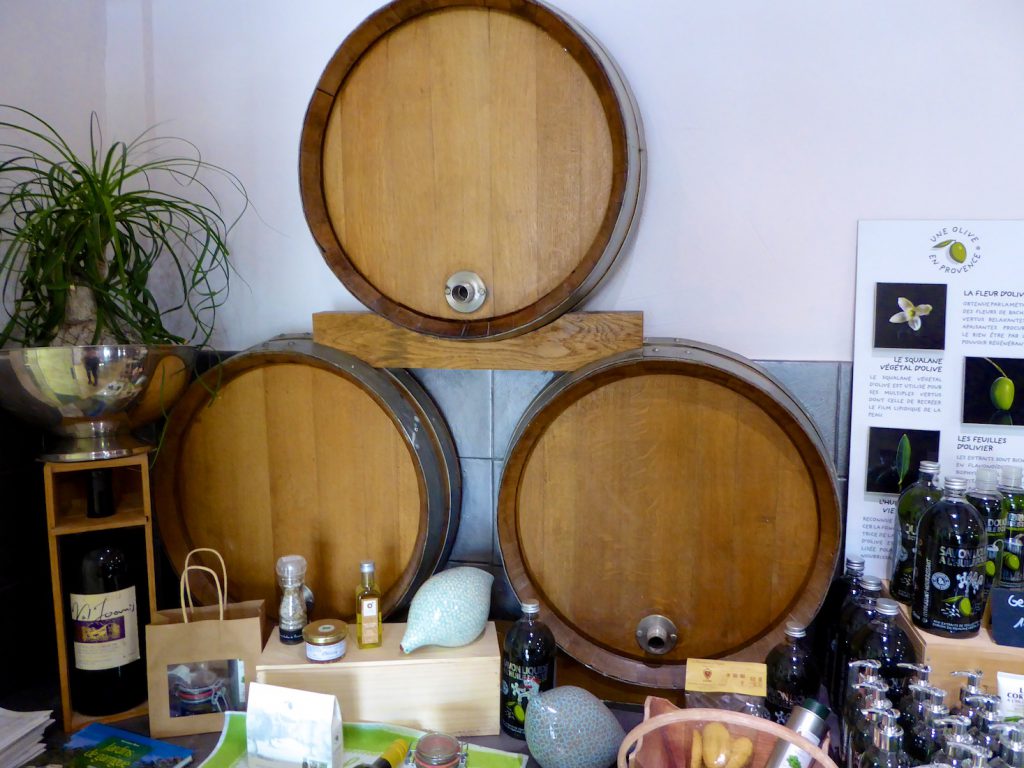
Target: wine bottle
[[108, 673], [527, 667]]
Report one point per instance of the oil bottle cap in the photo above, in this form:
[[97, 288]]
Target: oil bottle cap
[[855, 564], [887, 607], [530, 606], [1010, 476], [956, 484], [871, 583], [986, 479], [929, 467], [367, 566], [795, 629]]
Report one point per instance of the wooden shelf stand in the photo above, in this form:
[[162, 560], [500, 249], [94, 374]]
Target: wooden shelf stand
[[66, 489]]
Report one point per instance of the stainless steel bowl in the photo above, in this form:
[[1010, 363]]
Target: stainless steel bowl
[[91, 398]]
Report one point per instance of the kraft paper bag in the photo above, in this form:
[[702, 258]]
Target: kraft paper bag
[[199, 660]]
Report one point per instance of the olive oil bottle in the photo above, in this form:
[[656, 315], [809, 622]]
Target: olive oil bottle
[[369, 628], [909, 509], [949, 569], [989, 502]]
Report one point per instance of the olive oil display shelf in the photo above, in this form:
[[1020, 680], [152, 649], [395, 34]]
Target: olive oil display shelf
[[946, 655], [66, 489]]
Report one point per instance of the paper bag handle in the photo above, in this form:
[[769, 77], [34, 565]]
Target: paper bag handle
[[184, 585], [223, 570]]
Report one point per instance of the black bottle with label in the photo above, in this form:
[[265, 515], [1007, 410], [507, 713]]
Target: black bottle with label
[[985, 498], [792, 673], [884, 640], [527, 667], [909, 509], [107, 608], [949, 572]]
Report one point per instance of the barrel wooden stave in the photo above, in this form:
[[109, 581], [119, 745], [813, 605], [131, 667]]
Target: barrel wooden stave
[[305, 450], [681, 481], [491, 136]]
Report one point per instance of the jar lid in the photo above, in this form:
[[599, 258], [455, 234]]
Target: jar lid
[[367, 566], [437, 748], [795, 629], [327, 632]]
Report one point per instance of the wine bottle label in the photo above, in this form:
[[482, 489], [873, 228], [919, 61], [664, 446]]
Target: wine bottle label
[[105, 629], [369, 631], [518, 683]]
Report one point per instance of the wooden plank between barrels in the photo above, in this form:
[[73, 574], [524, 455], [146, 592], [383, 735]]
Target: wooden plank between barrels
[[565, 344]]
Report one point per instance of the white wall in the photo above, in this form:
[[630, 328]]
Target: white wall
[[51, 61], [772, 127]]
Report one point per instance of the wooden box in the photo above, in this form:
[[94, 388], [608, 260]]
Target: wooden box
[[454, 690], [945, 655]]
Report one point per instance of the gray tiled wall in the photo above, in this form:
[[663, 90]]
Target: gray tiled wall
[[483, 408]]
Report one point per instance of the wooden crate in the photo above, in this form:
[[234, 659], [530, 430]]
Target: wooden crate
[[66, 489], [454, 690], [945, 655]]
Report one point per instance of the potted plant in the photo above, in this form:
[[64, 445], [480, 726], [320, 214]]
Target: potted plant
[[82, 236]]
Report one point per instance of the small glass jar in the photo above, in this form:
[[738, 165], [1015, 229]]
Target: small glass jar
[[438, 750], [326, 640]]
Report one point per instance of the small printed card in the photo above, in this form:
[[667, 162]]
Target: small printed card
[[287, 727]]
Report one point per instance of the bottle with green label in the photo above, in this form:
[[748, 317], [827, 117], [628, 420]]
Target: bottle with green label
[[949, 569], [527, 667], [985, 498], [909, 509], [1013, 541]]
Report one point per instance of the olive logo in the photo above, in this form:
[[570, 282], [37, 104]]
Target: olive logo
[[957, 251], [1002, 390]]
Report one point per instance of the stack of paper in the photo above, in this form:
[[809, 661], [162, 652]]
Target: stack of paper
[[21, 735]]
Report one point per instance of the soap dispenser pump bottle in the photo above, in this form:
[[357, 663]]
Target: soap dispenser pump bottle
[[886, 749], [925, 740]]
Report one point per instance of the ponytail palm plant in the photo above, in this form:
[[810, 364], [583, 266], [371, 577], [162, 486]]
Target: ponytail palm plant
[[83, 234]]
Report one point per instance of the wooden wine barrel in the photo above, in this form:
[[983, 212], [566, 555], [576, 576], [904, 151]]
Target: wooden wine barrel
[[678, 482], [295, 448], [471, 169]]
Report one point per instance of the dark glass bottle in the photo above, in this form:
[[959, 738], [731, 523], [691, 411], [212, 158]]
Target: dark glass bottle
[[106, 608], [886, 748], [909, 509], [858, 610], [527, 667], [913, 705], [949, 572], [925, 739], [986, 714], [826, 624], [792, 673], [989, 502], [884, 640], [1012, 572], [858, 721]]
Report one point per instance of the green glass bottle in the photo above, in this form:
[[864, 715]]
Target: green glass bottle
[[985, 498], [1011, 572], [909, 509], [949, 568]]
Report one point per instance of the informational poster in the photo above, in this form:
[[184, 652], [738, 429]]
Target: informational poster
[[938, 365]]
